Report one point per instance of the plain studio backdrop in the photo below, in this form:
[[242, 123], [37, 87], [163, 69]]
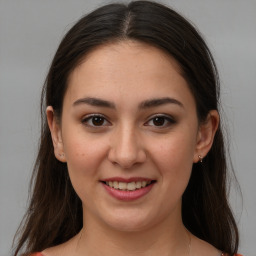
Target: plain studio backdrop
[[30, 32]]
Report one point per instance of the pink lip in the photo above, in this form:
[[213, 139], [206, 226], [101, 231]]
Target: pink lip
[[128, 195], [131, 179]]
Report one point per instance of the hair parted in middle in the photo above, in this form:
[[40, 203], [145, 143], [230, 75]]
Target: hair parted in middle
[[55, 212]]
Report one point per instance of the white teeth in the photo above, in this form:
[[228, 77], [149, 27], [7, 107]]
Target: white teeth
[[138, 184], [131, 186], [122, 185], [115, 185]]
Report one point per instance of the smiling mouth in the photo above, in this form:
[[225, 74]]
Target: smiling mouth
[[128, 186]]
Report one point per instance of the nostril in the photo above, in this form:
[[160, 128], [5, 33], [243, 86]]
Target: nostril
[[125, 151]]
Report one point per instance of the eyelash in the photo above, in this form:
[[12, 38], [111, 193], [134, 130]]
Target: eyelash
[[168, 121], [89, 118]]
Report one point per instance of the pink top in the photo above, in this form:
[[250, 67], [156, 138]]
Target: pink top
[[40, 254]]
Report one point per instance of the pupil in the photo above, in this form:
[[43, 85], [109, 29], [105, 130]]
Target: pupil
[[158, 121], [97, 120]]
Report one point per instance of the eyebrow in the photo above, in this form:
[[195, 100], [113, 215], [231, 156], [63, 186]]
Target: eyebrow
[[143, 105], [158, 102], [94, 102]]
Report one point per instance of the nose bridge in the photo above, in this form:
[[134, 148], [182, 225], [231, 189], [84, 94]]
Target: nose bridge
[[126, 149]]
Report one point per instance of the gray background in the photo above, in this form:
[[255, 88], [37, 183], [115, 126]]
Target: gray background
[[29, 35]]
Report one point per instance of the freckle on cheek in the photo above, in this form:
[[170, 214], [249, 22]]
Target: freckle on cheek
[[80, 154]]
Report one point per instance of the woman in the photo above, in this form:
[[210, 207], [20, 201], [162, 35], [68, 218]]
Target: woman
[[132, 156]]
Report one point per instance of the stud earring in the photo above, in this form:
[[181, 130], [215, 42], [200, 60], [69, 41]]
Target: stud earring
[[61, 155], [200, 158]]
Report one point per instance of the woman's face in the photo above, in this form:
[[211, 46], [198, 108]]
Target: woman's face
[[130, 134]]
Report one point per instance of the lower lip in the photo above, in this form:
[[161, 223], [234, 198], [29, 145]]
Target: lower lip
[[128, 195]]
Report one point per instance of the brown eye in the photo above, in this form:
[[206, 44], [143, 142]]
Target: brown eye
[[95, 121], [159, 121]]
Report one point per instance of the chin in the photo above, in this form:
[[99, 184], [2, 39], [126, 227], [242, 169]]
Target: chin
[[130, 221]]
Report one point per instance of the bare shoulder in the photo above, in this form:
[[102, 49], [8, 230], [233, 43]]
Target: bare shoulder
[[54, 251], [202, 248], [65, 249]]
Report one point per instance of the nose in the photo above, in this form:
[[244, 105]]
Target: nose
[[126, 149]]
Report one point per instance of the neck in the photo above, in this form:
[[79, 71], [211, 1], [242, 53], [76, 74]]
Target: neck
[[166, 238]]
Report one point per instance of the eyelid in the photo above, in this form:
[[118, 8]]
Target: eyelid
[[88, 117], [171, 120]]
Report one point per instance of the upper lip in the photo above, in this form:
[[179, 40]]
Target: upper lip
[[127, 180]]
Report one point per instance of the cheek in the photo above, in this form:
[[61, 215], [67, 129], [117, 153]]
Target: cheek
[[175, 150], [84, 157], [174, 158]]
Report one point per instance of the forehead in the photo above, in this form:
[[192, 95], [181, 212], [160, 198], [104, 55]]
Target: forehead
[[128, 67], [142, 56]]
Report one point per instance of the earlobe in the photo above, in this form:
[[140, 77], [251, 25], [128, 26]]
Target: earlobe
[[206, 135], [55, 130]]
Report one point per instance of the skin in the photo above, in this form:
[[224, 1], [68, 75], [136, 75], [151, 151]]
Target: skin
[[130, 143]]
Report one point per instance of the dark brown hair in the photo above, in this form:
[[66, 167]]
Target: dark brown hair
[[55, 211]]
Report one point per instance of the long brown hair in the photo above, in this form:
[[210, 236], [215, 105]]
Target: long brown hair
[[55, 211]]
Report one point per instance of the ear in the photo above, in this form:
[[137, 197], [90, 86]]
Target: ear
[[205, 136], [55, 129]]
